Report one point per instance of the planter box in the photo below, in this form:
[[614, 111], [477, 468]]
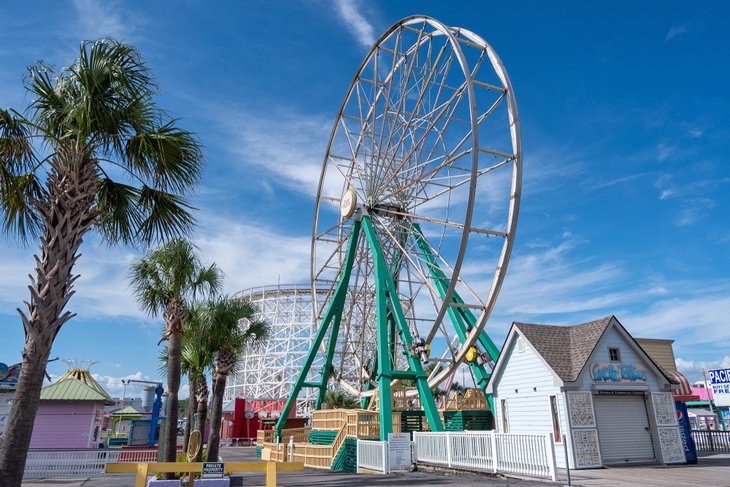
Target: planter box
[[224, 482]]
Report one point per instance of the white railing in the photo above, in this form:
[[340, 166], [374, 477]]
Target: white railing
[[372, 455], [520, 454], [711, 440], [80, 463]]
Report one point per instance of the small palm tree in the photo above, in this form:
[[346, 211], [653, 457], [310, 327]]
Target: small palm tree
[[232, 326], [57, 168], [340, 400], [166, 281], [196, 360]]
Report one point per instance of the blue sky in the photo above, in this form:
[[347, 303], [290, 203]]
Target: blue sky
[[625, 131]]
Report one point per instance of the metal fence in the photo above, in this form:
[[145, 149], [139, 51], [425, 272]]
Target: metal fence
[[487, 451], [46, 463], [711, 440], [372, 455]]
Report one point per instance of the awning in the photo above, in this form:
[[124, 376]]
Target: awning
[[694, 412], [684, 392]]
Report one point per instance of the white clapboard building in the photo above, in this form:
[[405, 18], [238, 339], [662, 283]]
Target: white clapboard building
[[592, 386]]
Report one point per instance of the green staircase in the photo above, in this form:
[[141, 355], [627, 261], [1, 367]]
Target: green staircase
[[322, 437], [478, 420], [413, 421], [346, 458]]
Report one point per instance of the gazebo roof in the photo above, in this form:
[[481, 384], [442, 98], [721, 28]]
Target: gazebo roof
[[85, 377], [71, 389]]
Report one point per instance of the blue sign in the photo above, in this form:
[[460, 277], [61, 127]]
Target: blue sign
[[720, 383], [601, 372], [690, 451]]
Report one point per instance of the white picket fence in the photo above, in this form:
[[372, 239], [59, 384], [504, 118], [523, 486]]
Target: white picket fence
[[80, 463], [372, 455], [487, 451]]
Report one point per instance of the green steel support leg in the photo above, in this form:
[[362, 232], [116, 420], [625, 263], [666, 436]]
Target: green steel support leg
[[331, 345], [462, 318], [333, 314], [383, 352], [387, 298]]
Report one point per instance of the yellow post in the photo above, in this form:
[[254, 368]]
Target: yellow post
[[271, 474], [141, 479]]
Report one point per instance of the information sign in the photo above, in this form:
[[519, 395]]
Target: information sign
[[720, 383], [399, 451], [213, 470]]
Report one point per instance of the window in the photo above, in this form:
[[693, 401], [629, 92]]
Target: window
[[556, 419], [614, 354], [520, 345], [505, 420]]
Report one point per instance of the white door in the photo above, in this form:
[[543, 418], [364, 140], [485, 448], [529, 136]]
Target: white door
[[623, 429]]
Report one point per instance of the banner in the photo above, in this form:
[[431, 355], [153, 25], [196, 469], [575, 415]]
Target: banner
[[9, 376], [690, 451]]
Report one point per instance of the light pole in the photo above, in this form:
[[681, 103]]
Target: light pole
[[124, 394]]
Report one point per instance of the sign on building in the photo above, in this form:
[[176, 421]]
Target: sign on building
[[720, 383], [399, 451]]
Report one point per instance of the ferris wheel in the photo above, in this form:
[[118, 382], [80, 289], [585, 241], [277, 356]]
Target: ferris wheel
[[416, 213]]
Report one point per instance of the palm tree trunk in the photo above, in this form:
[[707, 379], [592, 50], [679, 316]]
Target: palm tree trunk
[[192, 406], [67, 215], [173, 385], [216, 415], [202, 398]]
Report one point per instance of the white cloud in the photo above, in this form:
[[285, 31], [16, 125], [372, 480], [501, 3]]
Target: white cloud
[[695, 133], [99, 18], [693, 368], [253, 255], [350, 11], [664, 152], [676, 32], [288, 146], [683, 311]]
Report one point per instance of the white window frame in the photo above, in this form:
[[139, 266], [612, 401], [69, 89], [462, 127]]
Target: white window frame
[[618, 354], [555, 418], [505, 416]]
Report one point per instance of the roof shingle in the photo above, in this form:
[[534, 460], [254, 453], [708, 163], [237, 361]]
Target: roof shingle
[[565, 348]]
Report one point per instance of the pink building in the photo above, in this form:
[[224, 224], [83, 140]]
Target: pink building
[[70, 414]]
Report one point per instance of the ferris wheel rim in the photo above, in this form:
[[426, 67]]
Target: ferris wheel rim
[[515, 192]]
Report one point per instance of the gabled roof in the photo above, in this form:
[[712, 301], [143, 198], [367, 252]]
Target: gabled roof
[[71, 389], [566, 349], [125, 410]]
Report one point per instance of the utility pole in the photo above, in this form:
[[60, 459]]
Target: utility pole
[[709, 399]]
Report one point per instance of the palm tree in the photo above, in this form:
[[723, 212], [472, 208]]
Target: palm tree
[[340, 400], [56, 185], [196, 360], [166, 281], [233, 324]]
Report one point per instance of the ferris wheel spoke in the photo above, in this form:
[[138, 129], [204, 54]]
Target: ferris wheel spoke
[[353, 150], [418, 103], [450, 268], [439, 112], [400, 103]]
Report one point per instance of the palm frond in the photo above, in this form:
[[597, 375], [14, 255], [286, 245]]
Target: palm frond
[[168, 156], [120, 215], [16, 150], [17, 194], [166, 216]]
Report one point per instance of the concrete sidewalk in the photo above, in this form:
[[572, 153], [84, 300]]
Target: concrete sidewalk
[[711, 470]]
